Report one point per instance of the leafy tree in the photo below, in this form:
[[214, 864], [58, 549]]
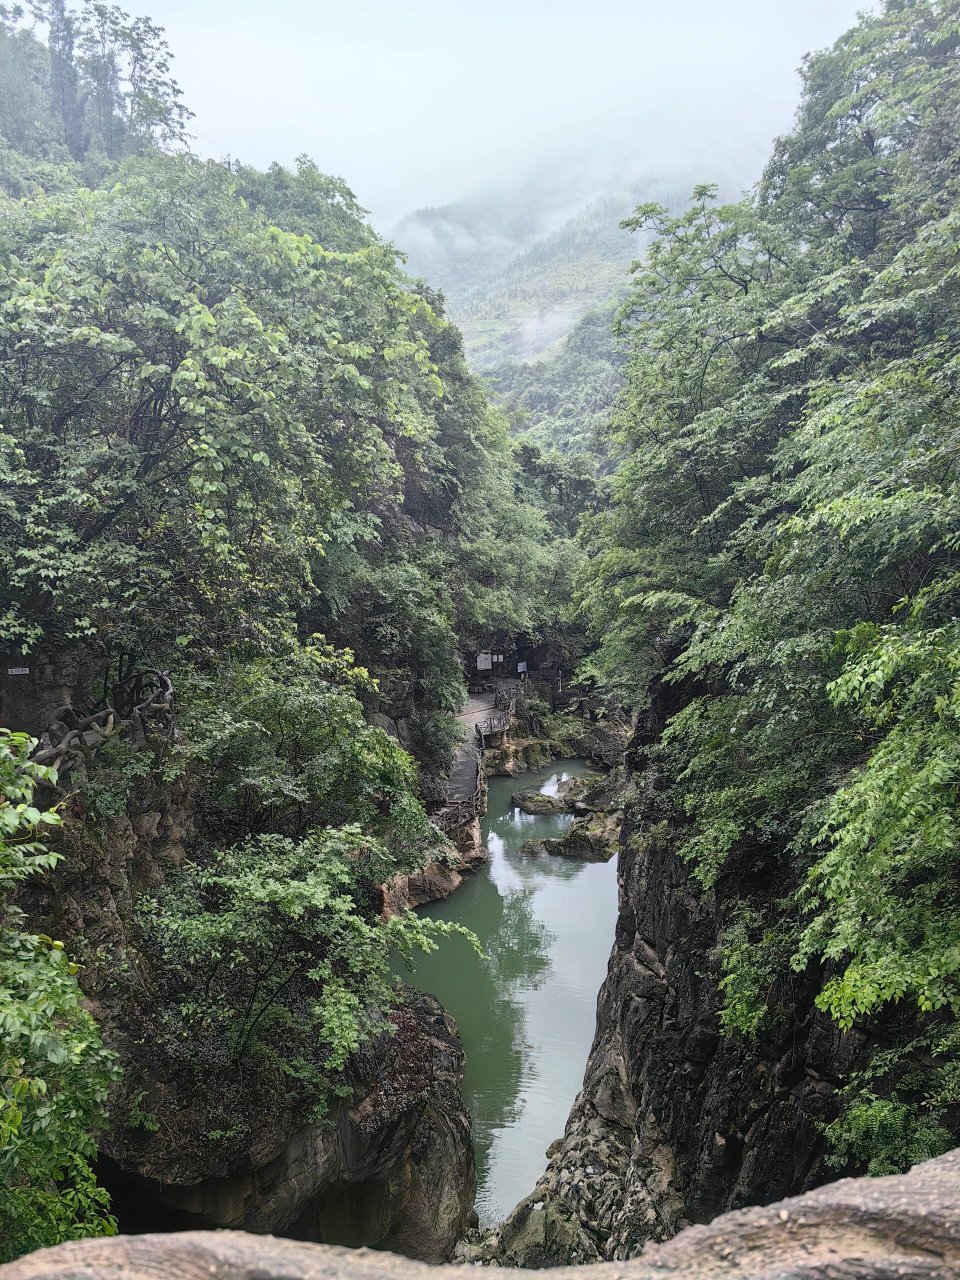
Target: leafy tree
[[100, 84], [277, 956], [54, 1070], [283, 747], [777, 565]]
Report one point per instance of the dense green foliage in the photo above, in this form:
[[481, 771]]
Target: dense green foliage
[[782, 547], [272, 437], [284, 747], [238, 444], [563, 400], [54, 1070], [276, 959]]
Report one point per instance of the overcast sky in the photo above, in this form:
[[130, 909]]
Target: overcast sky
[[422, 102]]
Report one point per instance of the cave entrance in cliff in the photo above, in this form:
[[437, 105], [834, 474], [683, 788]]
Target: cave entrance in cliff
[[140, 1206], [355, 1214]]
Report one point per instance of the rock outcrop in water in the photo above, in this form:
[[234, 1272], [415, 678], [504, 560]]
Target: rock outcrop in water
[[439, 878], [594, 834], [906, 1228]]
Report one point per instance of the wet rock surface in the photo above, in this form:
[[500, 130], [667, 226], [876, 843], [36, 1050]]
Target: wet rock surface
[[393, 1165], [537, 803], [590, 840], [519, 755], [858, 1229], [675, 1123]]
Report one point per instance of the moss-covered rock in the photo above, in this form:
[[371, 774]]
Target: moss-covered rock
[[536, 802]]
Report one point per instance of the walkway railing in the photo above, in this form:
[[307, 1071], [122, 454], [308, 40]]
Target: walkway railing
[[457, 813], [499, 722]]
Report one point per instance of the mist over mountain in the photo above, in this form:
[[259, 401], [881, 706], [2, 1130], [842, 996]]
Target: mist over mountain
[[533, 272], [522, 262]]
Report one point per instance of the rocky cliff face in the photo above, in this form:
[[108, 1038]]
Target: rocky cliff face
[[439, 878], [675, 1123], [391, 1163]]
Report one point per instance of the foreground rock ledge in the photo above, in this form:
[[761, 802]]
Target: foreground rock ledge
[[858, 1229]]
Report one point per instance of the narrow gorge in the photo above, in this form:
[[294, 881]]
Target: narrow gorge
[[479, 701]]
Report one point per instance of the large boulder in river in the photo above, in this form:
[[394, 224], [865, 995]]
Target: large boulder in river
[[537, 803], [858, 1229], [574, 795], [593, 839]]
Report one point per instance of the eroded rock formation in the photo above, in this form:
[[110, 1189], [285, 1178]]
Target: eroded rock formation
[[906, 1227], [440, 877], [393, 1165]]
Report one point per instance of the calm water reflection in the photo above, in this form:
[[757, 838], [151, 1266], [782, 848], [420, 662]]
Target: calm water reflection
[[526, 1010]]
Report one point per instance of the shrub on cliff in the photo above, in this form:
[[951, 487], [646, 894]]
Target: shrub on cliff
[[54, 1070], [276, 957]]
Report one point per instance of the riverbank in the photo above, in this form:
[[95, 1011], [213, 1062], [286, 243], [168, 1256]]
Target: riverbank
[[526, 1009], [525, 740]]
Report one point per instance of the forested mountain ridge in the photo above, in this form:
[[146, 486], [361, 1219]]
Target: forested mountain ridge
[[563, 400], [533, 276], [253, 506], [519, 268]]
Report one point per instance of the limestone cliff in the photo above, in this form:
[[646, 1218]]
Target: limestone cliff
[[391, 1165]]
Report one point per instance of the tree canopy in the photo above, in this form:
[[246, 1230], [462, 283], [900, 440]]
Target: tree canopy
[[240, 445], [781, 547]]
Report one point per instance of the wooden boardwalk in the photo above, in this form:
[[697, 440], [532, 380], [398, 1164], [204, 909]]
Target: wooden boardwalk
[[465, 797], [466, 765]]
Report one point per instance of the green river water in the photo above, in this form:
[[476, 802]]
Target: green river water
[[526, 1010]]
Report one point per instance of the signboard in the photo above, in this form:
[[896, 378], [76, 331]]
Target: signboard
[[484, 662], [18, 671], [521, 668]]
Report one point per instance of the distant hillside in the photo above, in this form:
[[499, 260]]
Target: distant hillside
[[520, 268], [562, 400], [533, 276]]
